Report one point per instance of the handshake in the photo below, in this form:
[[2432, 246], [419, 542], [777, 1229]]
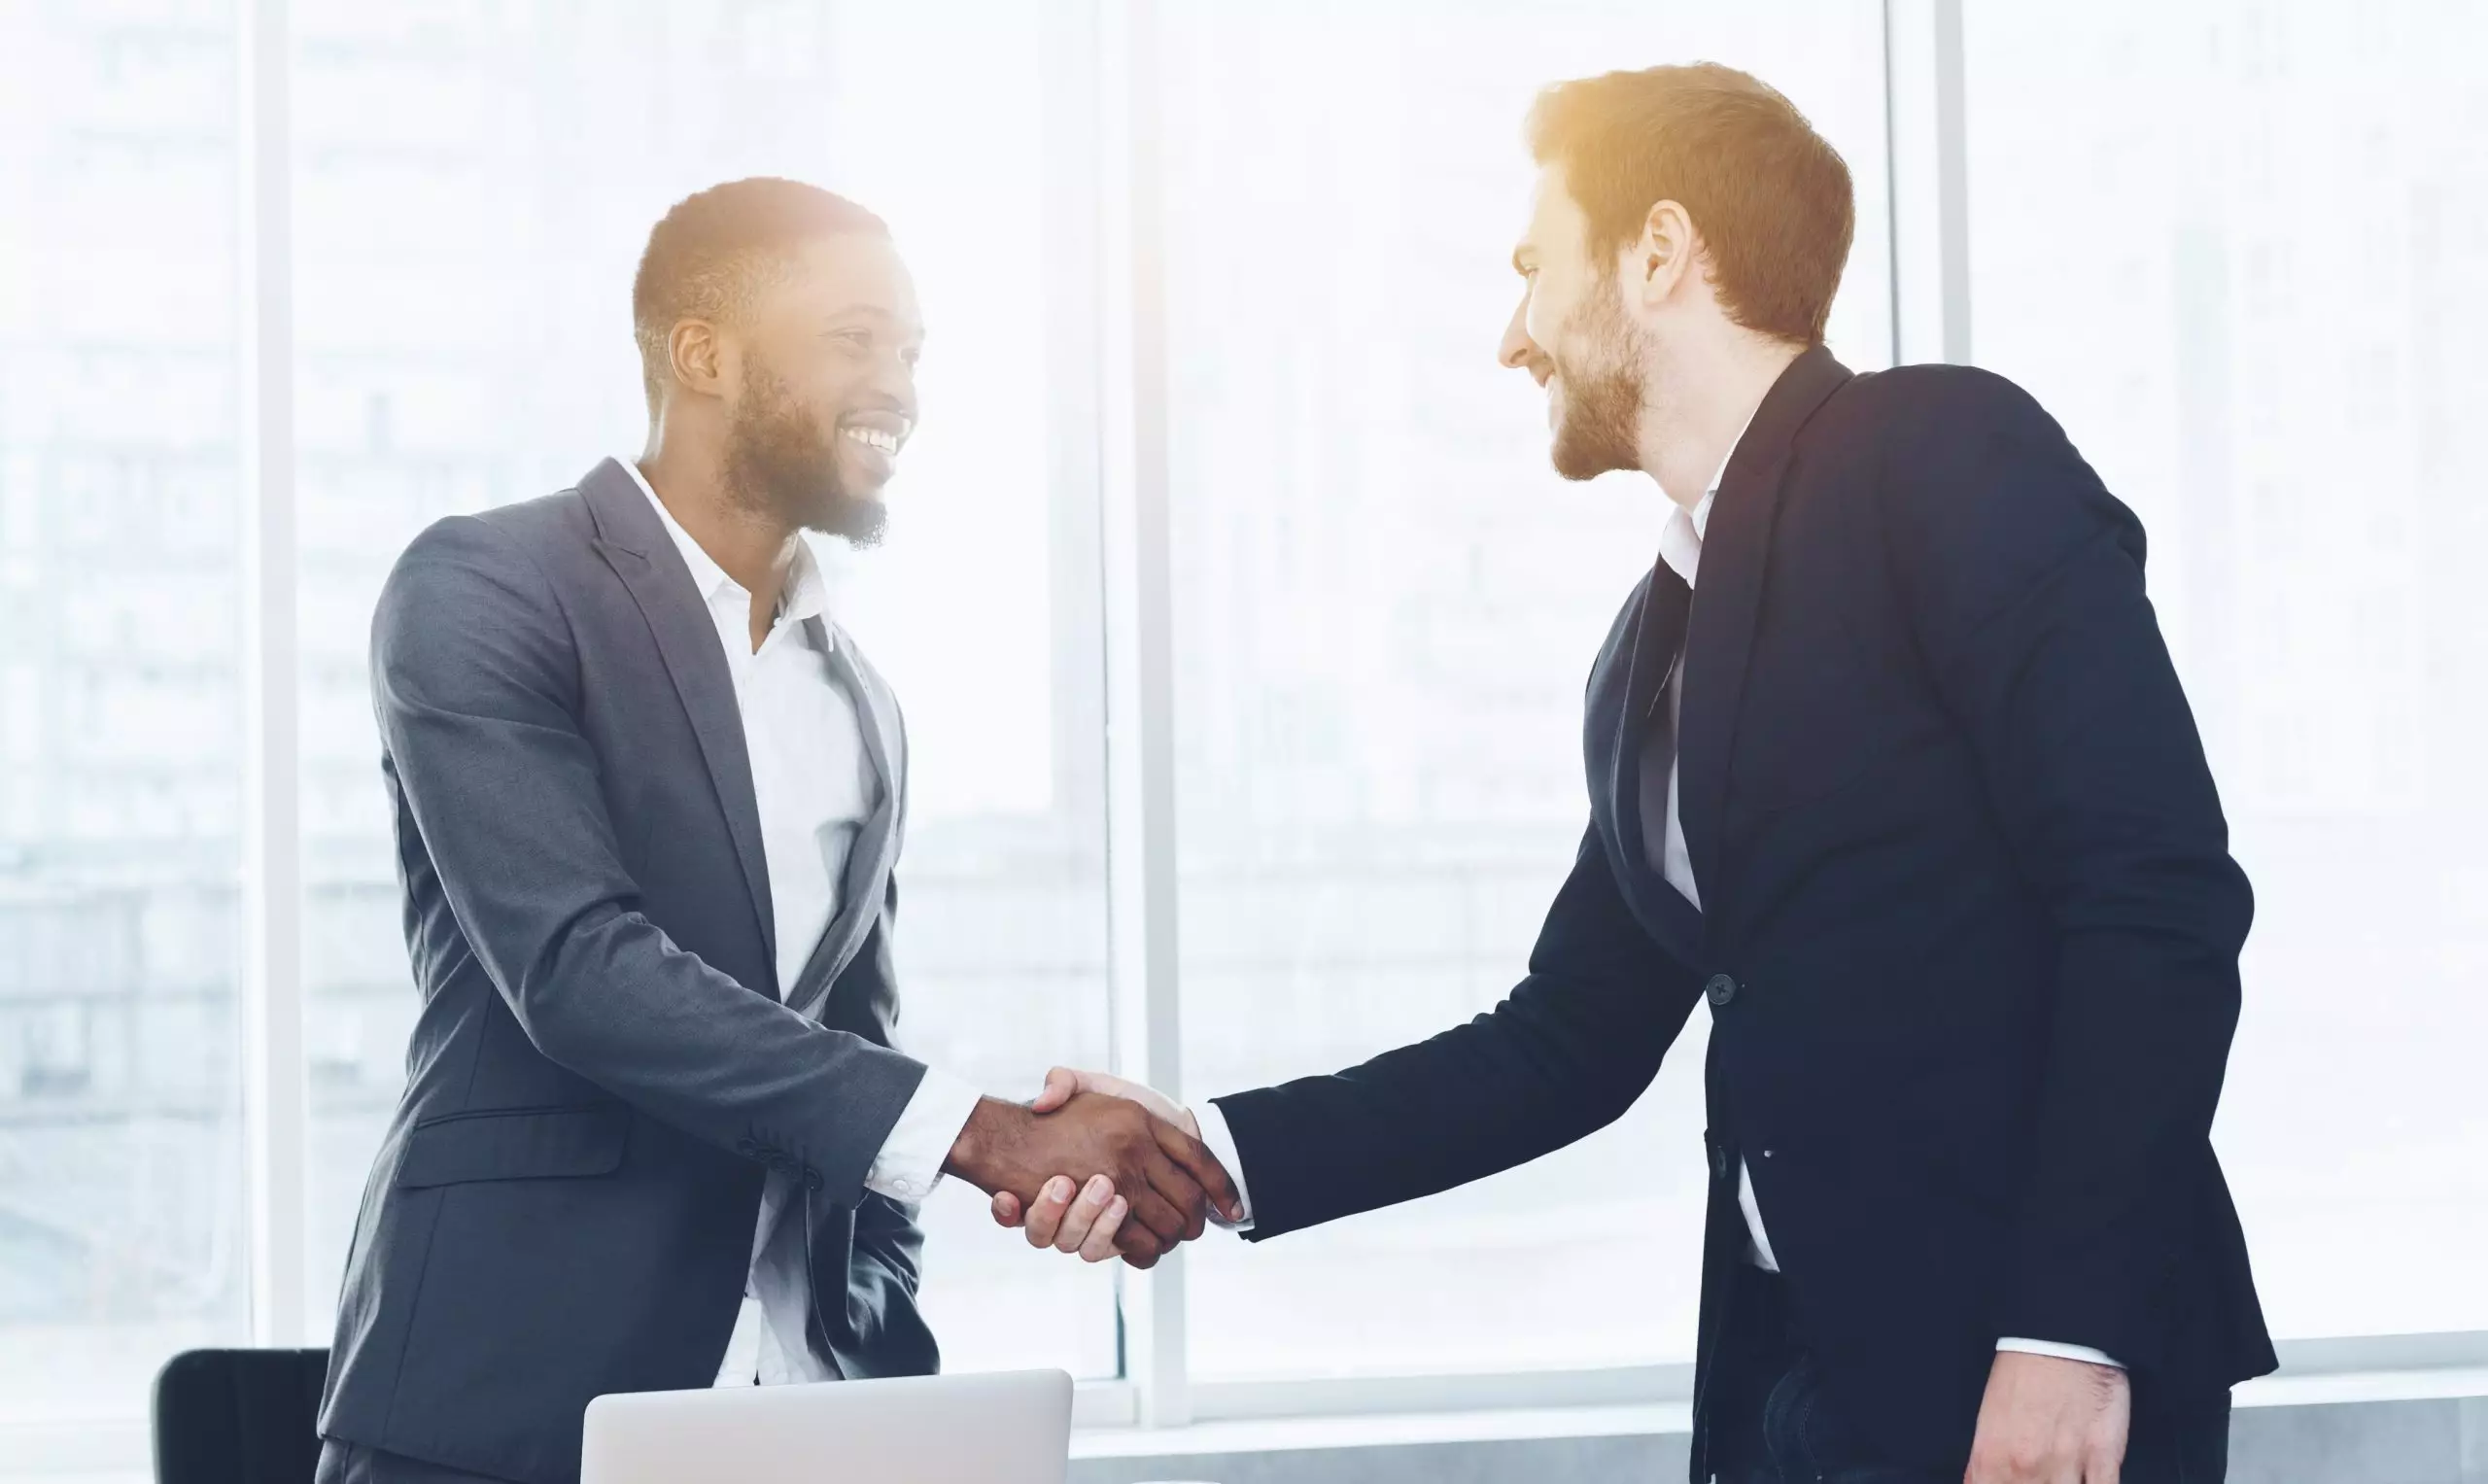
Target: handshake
[[1149, 1183]]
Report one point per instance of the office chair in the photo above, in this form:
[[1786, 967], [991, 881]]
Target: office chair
[[239, 1417]]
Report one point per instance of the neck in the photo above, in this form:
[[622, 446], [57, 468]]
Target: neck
[[1701, 405], [755, 548]]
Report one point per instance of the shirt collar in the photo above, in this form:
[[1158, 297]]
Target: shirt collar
[[1680, 539], [806, 593]]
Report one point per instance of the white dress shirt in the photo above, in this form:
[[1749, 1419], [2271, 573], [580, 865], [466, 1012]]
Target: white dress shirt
[[813, 784], [1680, 547]]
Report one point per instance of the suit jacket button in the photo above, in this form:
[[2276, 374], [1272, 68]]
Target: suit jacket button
[[1718, 1162], [1720, 991]]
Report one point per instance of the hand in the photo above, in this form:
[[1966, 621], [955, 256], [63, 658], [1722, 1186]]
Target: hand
[[2050, 1420], [1162, 1175], [1069, 1217]]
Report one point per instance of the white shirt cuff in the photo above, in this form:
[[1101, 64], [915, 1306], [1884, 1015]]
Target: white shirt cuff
[[2082, 1353], [1222, 1147], [909, 1163]]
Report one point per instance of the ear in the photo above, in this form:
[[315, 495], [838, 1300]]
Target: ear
[[1663, 260], [698, 354]]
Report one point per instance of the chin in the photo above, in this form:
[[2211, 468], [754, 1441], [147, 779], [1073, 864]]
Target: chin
[[1577, 461], [858, 519]]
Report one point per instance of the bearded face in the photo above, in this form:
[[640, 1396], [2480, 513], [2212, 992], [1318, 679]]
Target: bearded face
[[816, 473], [1598, 387]]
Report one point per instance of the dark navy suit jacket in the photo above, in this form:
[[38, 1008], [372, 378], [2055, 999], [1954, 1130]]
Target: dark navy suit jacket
[[1969, 937], [605, 1070]]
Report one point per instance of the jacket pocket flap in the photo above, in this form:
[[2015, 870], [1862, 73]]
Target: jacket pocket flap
[[519, 1143]]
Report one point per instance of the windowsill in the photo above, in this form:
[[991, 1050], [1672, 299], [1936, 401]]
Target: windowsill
[[1285, 1434], [2337, 1388]]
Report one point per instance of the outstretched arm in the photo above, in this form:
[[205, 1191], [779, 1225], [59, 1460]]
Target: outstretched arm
[[1564, 1054]]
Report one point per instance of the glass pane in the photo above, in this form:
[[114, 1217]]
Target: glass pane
[[1386, 604], [120, 1153], [2251, 281], [475, 190]]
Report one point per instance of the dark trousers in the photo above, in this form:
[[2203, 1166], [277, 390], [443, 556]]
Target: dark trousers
[[1771, 1422], [344, 1463]]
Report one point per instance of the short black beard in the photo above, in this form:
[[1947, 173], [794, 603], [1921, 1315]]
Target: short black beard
[[779, 463], [1601, 430]]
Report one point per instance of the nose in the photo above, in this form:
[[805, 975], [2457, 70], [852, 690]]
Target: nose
[[1514, 351], [1518, 350], [895, 383]]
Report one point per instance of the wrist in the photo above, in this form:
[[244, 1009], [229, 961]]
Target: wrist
[[977, 1155]]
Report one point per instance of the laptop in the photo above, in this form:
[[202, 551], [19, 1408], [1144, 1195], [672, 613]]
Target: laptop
[[1003, 1428]]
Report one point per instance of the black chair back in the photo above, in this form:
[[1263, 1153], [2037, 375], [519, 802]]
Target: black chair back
[[239, 1417]]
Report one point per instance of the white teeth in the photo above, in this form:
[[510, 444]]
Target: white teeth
[[873, 438]]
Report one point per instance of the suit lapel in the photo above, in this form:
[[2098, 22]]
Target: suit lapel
[[632, 540], [1719, 634], [1658, 637], [877, 844]]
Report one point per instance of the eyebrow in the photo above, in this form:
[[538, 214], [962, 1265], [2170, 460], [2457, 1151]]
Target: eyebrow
[[875, 312]]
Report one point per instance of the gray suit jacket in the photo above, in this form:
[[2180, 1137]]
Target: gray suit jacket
[[604, 1074]]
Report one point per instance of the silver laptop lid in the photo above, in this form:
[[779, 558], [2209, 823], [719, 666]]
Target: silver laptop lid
[[1003, 1427]]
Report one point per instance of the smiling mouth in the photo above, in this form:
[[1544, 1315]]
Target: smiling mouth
[[875, 438]]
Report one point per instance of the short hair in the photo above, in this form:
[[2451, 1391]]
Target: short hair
[[1769, 198], [711, 252]]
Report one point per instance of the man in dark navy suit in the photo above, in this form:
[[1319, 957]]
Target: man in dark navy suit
[[1887, 766]]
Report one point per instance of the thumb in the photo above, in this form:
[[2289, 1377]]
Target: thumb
[[1061, 1083], [1006, 1209]]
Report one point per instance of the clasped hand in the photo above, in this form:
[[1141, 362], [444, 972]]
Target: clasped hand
[[1149, 1179]]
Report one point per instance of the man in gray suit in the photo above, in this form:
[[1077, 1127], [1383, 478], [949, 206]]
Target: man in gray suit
[[648, 799]]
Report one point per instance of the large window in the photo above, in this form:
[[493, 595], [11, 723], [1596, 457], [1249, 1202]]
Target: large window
[[2239, 249], [1386, 605], [121, 1232], [471, 203], [2241, 252]]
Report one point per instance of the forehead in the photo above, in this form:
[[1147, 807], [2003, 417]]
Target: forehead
[[1555, 219], [849, 271]]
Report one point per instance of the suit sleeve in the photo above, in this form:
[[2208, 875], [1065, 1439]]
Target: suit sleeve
[[477, 684], [2023, 582], [887, 1235], [1564, 1054]]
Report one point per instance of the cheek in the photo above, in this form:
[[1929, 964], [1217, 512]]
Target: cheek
[[825, 393], [814, 374]]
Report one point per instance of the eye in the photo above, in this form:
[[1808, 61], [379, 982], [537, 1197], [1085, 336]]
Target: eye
[[853, 339]]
